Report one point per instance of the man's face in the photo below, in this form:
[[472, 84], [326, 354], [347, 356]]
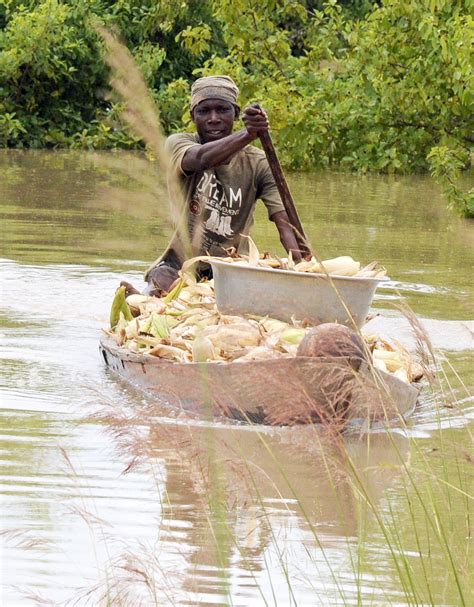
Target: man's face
[[214, 119]]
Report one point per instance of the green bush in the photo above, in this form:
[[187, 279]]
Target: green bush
[[361, 85], [53, 80]]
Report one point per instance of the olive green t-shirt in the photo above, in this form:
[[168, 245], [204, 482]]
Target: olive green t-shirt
[[222, 200]]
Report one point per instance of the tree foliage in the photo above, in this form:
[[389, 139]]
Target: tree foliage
[[53, 80], [359, 84]]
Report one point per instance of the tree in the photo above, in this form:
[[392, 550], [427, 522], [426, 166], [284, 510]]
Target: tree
[[358, 84]]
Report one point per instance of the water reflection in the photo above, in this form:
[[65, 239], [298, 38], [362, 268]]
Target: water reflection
[[236, 498]]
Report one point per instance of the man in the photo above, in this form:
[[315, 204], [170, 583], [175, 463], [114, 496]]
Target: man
[[222, 176]]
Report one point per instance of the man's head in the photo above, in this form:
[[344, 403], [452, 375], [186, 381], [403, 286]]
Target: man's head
[[214, 87], [214, 106]]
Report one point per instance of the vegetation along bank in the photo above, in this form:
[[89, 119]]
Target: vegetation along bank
[[355, 84]]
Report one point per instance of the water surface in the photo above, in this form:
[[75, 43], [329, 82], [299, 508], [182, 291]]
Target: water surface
[[107, 493]]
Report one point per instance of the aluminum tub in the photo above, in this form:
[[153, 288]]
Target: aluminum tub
[[284, 294]]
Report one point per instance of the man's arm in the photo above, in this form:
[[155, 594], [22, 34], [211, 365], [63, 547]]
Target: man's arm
[[287, 234], [215, 153]]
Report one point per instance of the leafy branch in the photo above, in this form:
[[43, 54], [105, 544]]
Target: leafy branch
[[445, 166]]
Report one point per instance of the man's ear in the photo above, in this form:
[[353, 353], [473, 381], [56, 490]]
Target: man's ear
[[191, 113], [236, 112]]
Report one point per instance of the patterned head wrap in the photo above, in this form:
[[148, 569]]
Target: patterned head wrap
[[214, 87]]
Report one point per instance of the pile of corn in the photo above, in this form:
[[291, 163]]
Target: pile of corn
[[338, 266], [393, 359], [185, 326]]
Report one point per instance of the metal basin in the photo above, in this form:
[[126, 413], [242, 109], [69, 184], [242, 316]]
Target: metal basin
[[284, 294]]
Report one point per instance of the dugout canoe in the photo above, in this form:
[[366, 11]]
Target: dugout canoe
[[281, 391]]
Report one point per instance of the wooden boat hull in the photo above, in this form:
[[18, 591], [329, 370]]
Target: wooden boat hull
[[281, 391]]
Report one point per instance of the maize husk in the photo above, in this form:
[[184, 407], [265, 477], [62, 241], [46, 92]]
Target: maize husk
[[202, 349], [341, 266], [229, 338], [169, 353], [119, 306], [272, 325], [292, 335]]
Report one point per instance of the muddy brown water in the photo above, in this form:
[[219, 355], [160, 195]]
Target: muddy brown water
[[107, 495]]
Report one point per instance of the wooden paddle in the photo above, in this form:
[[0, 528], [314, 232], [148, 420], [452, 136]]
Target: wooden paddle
[[284, 191]]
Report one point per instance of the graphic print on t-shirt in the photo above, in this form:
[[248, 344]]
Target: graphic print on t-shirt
[[217, 207]]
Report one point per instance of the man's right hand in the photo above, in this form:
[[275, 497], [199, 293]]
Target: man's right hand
[[255, 120]]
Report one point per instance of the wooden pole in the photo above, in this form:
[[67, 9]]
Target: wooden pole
[[284, 192]]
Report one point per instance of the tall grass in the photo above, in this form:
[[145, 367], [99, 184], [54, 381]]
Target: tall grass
[[141, 115]]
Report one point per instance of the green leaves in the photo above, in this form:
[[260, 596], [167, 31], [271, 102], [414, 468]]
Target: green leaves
[[119, 308], [195, 39], [364, 85], [53, 77], [446, 164]]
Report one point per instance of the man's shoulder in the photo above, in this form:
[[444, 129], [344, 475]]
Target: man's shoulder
[[183, 137], [177, 139]]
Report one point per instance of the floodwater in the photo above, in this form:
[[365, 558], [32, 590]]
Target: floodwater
[[111, 498]]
